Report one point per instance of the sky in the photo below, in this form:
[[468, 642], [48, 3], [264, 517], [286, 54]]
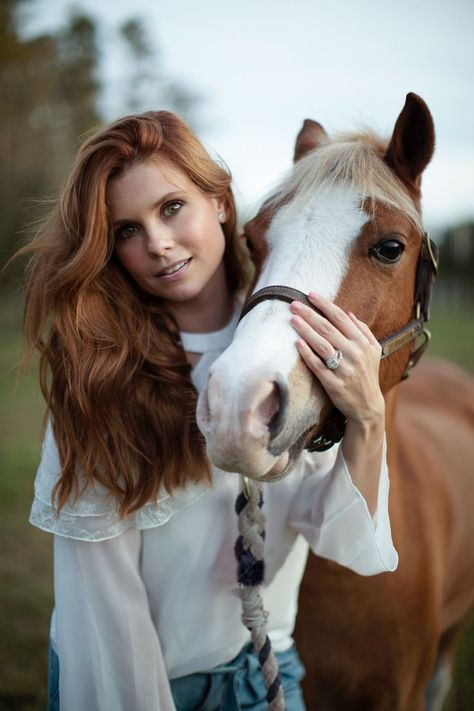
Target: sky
[[263, 66]]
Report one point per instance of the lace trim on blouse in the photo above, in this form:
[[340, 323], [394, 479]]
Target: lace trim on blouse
[[101, 527], [94, 516]]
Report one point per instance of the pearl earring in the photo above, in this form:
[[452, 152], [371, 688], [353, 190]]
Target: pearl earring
[[221, 217]]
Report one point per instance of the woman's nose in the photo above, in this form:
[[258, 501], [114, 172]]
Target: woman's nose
[[159, 240]]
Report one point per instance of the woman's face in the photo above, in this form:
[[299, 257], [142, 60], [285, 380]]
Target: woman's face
[[168, 234]]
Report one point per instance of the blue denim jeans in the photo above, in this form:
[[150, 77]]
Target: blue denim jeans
[[53, 680], [235, 686]]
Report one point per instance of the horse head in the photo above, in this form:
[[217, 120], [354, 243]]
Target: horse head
[[346, 222]]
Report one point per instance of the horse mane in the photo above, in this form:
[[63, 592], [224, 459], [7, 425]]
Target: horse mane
[[353, 159]]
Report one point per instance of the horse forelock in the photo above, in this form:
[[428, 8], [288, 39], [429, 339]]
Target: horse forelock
[[354, 160]]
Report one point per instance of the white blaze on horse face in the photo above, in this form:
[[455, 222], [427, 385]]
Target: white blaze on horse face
[[309, 250], [309, 247]]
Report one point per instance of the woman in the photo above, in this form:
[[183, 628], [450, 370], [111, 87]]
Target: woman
[[133, 291]]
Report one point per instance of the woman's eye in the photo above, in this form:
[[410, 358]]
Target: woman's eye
[[171, 208], [388, 251], [126, 231]]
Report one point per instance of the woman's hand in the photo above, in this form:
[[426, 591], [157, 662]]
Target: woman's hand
[[353, 386]]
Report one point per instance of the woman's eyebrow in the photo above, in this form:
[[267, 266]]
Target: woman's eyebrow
[[163, 198]]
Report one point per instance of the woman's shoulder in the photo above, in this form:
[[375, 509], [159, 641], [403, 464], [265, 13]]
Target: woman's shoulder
[[93, 515]]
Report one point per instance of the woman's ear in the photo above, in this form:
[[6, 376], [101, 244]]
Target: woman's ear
[[220, 205]]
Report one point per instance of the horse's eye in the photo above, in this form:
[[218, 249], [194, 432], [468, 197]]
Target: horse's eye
[[388, 251]]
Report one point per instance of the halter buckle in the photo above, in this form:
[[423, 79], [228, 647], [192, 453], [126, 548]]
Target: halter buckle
[[417, 353]]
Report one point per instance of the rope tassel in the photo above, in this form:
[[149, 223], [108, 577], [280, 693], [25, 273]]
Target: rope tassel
[[249, 552]]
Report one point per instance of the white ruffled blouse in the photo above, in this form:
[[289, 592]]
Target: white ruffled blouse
[[149, 597]]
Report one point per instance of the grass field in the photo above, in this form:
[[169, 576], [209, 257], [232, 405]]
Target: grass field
[[26, 590], [26, 566]]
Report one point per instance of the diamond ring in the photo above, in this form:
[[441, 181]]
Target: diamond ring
[[333, 362]]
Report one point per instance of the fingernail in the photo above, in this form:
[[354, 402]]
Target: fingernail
[[295, 306], [313, 295], [295, 321]]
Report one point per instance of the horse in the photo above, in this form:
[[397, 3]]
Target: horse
[[346, 222]]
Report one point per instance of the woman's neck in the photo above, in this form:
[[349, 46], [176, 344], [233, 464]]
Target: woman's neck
[[210, 311]]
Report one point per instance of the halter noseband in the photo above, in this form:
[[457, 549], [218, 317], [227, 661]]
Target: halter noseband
[[426, 271]]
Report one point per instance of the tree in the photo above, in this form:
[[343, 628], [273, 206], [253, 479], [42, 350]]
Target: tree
[[148, 87], [50, 94], [78, 87]]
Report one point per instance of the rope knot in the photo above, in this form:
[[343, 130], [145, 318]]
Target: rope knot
[[249, 552]]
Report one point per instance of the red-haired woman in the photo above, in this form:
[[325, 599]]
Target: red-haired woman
[[133, 291]]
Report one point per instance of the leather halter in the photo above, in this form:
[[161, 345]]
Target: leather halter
[[426, 271]]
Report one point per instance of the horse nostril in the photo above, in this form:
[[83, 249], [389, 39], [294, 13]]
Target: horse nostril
[[272, 411]]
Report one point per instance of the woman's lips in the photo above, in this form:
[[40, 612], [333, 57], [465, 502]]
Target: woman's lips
[[174, 269]]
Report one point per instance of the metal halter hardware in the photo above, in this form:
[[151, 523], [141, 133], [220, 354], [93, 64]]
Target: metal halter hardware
[[426, 271]]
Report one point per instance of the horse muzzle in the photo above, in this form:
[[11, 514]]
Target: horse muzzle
[[252, 426]]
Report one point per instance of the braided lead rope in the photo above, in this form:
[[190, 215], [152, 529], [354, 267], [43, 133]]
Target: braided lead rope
[[249, 551]]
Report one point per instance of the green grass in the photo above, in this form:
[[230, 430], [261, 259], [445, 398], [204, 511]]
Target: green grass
[[26, 564], [26, 590], [452, 336], [461, 697]]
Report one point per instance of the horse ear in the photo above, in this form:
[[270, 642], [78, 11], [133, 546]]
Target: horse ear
[[412, 144], [310, 137]]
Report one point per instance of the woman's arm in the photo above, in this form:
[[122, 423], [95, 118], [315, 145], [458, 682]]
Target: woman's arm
[[332, 514], [109, 653]]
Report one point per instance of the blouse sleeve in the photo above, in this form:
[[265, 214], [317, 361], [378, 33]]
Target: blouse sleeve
[[109, 653], [331, 513], [94, 515]]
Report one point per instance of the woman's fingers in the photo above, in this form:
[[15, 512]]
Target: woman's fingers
[[336, 316], [319, 324], [353, 386], [333, 323], [318, 343], [364, 329], [330, 329], [313, 361]]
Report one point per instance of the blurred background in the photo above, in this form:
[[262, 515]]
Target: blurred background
[[244, 75]]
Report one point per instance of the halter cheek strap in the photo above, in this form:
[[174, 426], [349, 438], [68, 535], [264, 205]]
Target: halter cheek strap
[[426, 271]]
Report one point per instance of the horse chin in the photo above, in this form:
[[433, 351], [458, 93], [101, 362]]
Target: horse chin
[[287, 461], [279, 470]]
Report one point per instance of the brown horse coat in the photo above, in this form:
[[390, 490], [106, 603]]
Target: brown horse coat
[[372, 643]]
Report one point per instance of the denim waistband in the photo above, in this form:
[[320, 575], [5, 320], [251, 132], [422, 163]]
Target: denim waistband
[[235, 686], [238, 685]]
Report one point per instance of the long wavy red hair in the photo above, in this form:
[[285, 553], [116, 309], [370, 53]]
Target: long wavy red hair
[[112, 370]]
